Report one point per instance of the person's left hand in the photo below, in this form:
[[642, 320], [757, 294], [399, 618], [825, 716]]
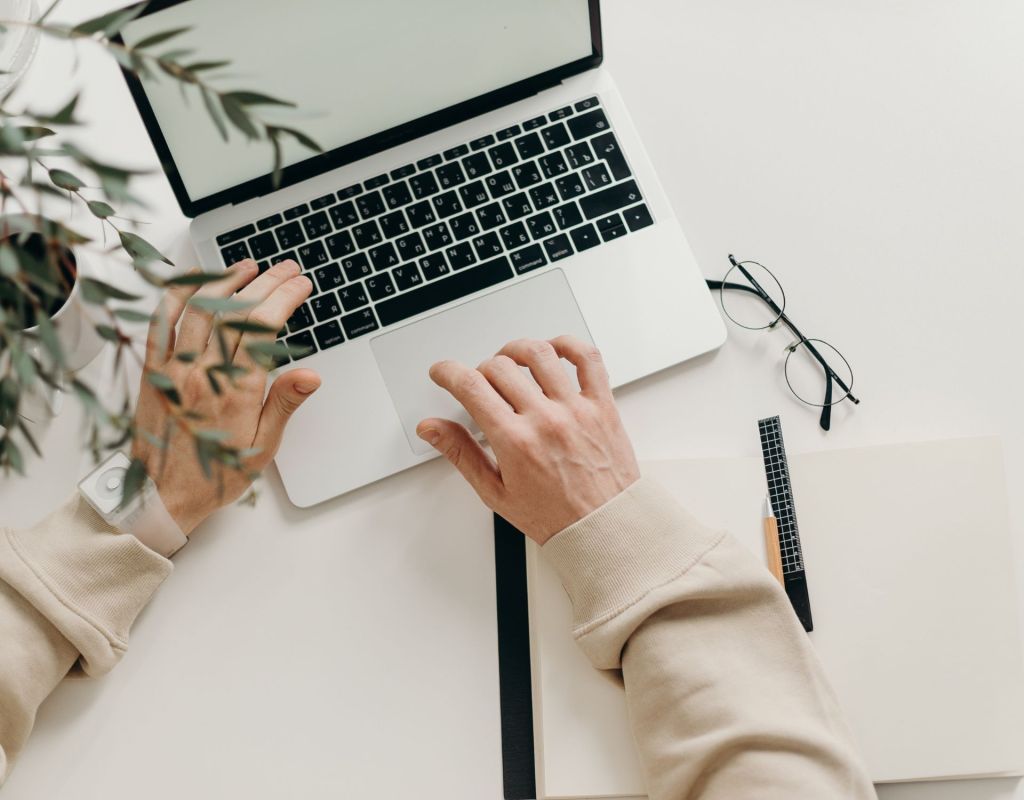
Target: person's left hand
[[239, 410]]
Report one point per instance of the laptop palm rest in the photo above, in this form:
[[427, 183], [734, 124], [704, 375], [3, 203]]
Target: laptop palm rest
[[540, 308]]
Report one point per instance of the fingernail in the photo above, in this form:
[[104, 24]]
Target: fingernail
[[303, 387], [430, 435]]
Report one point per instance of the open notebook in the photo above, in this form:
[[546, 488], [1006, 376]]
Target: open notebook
[[908, 561]]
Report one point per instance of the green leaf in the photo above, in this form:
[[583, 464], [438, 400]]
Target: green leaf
[[206, 66], [245, 326], [219, 304], [108, 333], [196, 279], [65, 180], [131, 315], [100, 209], [206, 451], [9, 451], [210, 101], [32, 133], [95, 291], [160, 381], [110, 23], [139, 249], [27, 435], [10, 397], [239, 117], [66, 115], [255, 99], [134, 480], [87, 397], [187, 357], [9, 265], [301, 138], [48, 336], [160, 38], [213, 435]]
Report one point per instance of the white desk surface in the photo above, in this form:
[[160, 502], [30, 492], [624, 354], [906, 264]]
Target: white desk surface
[[869, 152]]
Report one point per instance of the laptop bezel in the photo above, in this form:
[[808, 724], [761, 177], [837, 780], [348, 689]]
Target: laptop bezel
[[355, 151]]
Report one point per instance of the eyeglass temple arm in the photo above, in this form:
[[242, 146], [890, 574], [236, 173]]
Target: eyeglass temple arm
[[829, 372]]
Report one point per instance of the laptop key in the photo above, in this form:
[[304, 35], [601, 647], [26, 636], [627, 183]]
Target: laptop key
[[555, 136], [262, 267], [384, 256], [410, 247], [597, 177], [536, 122], [491, 216], [586, 105], [316, 225], [529, 146], [527, 175], [588, 124], [290, 235], [487, 246], [608, 200], [529, 258], [300, 319], [322, 202], [456, 152], [567, 216], [541, 225], [406, 277], [570, 187], [238, 233], [269, 222], [455, 287], [607, 148], [447, 204], [461, 255], [515, 235], [558, 247], [263, 246], [288, 256], [450, 175], [397, 195], [436, 236], [403, 172], [561, 113], [370, 205], [380, 286], [504, 155], [508, 133], [344, 214], [474, 194], [304, 343], [312, 255], [367, 235], [482, 142], [353, 296], [356, 267], [325, 306], [614, 232], [554, 165], [234, 253], [579, 155], [429, 162], [359, 323], [376, 183], [544, 196], [329, 277], [340, 244], [296, 211], [638, 217], [421, 214], [434, 266], [423, 185], [477, 165], [350, 191], [328, 335], [584, 238], [517, 206], [500, 185], [614, 221], [464, 226], [394, 224]]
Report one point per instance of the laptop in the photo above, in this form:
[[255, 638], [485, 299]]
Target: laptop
[[480, 181]]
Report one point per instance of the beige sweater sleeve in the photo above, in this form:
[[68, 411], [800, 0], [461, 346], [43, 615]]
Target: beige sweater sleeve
[[726, 697], [70, 589]]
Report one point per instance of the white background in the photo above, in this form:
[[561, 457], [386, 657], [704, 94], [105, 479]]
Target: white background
[[870, 153]]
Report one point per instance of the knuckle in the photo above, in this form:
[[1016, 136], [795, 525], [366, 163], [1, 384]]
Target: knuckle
[[592, 354], [262, 316], [470, 383], [453, 452], [541, 349], [286, 404]]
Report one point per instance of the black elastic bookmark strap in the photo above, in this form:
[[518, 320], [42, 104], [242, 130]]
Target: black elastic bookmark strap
[[514, 663]]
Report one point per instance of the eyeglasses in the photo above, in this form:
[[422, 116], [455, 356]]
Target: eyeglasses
[[813, 367]]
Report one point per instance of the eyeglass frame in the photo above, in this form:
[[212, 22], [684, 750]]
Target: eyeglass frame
[[830, 374]]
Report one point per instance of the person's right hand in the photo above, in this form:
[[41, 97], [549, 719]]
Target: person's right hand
[[561, 453]]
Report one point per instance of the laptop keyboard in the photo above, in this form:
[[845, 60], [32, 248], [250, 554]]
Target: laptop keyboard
[[449, 225]]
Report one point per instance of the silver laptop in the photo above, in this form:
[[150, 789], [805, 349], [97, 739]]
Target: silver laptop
[[481, 181]]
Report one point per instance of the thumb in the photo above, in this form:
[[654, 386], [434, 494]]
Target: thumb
[[456, 444], [288, 392]]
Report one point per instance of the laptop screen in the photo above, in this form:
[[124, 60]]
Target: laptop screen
[[353, 68]]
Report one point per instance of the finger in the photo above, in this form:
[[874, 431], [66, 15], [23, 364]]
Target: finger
[[160, 340], [456, 444], [272, 314], [255, 293], [196, 323], [475, 393], [590, 369], [512, 384], [287, 393], [544, 365]]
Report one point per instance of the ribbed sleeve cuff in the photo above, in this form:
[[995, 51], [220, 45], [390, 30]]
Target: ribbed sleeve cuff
[[615, 555], [88, 580]]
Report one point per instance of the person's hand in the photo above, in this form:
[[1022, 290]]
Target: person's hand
[[239, 410], [561, 453]]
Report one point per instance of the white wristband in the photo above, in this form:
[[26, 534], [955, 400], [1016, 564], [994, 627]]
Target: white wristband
[[145, 517]]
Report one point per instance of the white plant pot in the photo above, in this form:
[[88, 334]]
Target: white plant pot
[[18, 44]]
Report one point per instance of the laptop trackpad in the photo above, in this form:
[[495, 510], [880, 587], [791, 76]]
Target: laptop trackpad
[[539, 308]]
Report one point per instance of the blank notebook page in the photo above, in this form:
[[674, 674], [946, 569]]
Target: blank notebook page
[[908, 558]]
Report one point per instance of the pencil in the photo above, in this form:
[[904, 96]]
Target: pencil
[[771, 542]]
